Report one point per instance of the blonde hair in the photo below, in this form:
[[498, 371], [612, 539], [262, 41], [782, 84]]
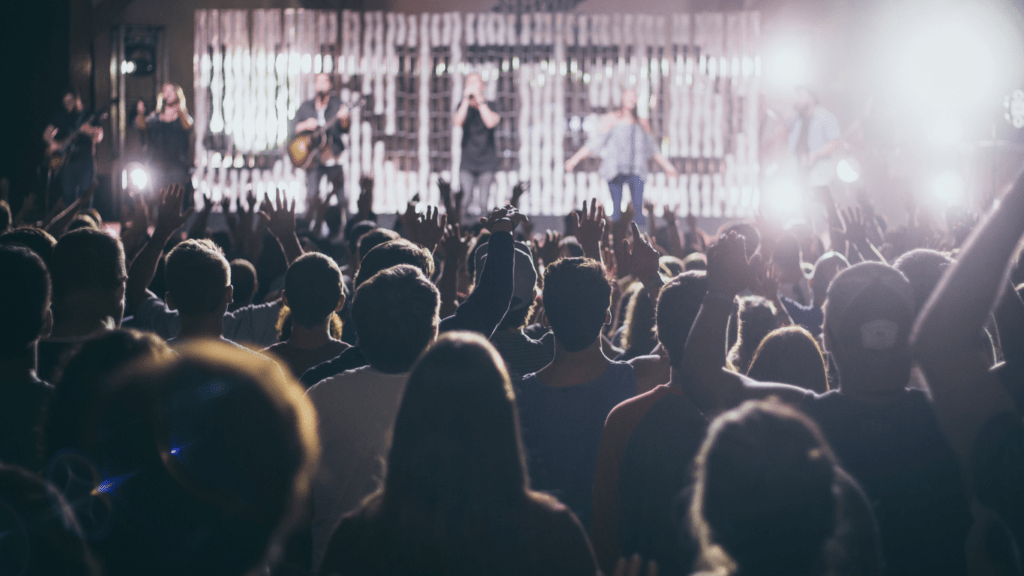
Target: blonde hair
[[183, 115]]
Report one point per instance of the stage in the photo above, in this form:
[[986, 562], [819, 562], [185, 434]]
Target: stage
[[551, 77]]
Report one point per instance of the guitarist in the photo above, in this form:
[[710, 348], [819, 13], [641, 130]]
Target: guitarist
[[78, 171], [321, 111]]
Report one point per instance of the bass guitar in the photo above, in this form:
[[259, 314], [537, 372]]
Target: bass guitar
[[310, 147], [57, 154]]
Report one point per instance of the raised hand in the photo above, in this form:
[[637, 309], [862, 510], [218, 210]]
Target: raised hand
[[640, 257], [225, 205], [250, 199], [589, 225], [279, 215], [444, 188], [430, 229], [854, 225], [729, 272], [549, 247], [454, 246], [518, 190], [169, 215], [504, 219]]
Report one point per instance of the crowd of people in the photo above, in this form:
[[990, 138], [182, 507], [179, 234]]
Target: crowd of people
[[310, 394]]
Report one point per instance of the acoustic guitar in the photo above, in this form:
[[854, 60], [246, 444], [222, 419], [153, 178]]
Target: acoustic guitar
[[58, 153], [311, 147]]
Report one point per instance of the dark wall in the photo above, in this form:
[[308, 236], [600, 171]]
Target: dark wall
[[35, 62]]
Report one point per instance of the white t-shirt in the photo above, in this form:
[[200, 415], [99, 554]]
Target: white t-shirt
[[356, 411]]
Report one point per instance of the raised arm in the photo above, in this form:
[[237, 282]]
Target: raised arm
[[965, 393], [589, 226], [280, 220], [644, 262], [484, 308], [704, 357], [59, 222], [169, 218]]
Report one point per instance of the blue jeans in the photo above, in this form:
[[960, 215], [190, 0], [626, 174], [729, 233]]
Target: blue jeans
[[636, 186]]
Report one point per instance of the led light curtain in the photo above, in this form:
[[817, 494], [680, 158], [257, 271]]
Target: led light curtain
[[550, 75]]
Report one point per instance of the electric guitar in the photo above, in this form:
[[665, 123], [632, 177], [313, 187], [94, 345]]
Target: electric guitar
[[310, 147], [57, 154]]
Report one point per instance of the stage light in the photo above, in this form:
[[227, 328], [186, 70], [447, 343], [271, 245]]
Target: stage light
[[787, 61], [848, 170], [135, 177], [947, 188], [946, 131], [783, 200]]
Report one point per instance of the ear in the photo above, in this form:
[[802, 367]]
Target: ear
[[607, 316], [341, 303], [169, 300], [229, 294]]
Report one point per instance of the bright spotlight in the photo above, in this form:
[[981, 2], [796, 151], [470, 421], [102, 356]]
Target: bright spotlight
[[788, 62], [783, 200], [946, 131], [847, 170], [135, 177], [947, 189]]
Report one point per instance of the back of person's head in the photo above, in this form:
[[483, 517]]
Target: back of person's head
[[393, 253], [395, 317], [355, 232], [40, 534], [87, 261], [790, 355], [313, 289], [923, 269], [825, 269], [577, 297], [868, 316], [570, 247], [756, 319], [787, 254], [82, 221], [244, 282], [87, 376], [24, 298], [524, 284], [671, 266], [695, 261], [765, 500], [5, 216], [198, 278], [35, 239], [638, 335], [332, 217], [212, 452], [678, 303], [374, 238], [95, 215], [456, 437]]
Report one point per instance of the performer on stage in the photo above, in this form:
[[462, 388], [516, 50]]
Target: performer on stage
[[625, 144], [322, 110], [479, 152], [78, 169], [814, 139], [168, 138]]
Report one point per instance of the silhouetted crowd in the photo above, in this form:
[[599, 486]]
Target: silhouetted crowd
[[313, 394]]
